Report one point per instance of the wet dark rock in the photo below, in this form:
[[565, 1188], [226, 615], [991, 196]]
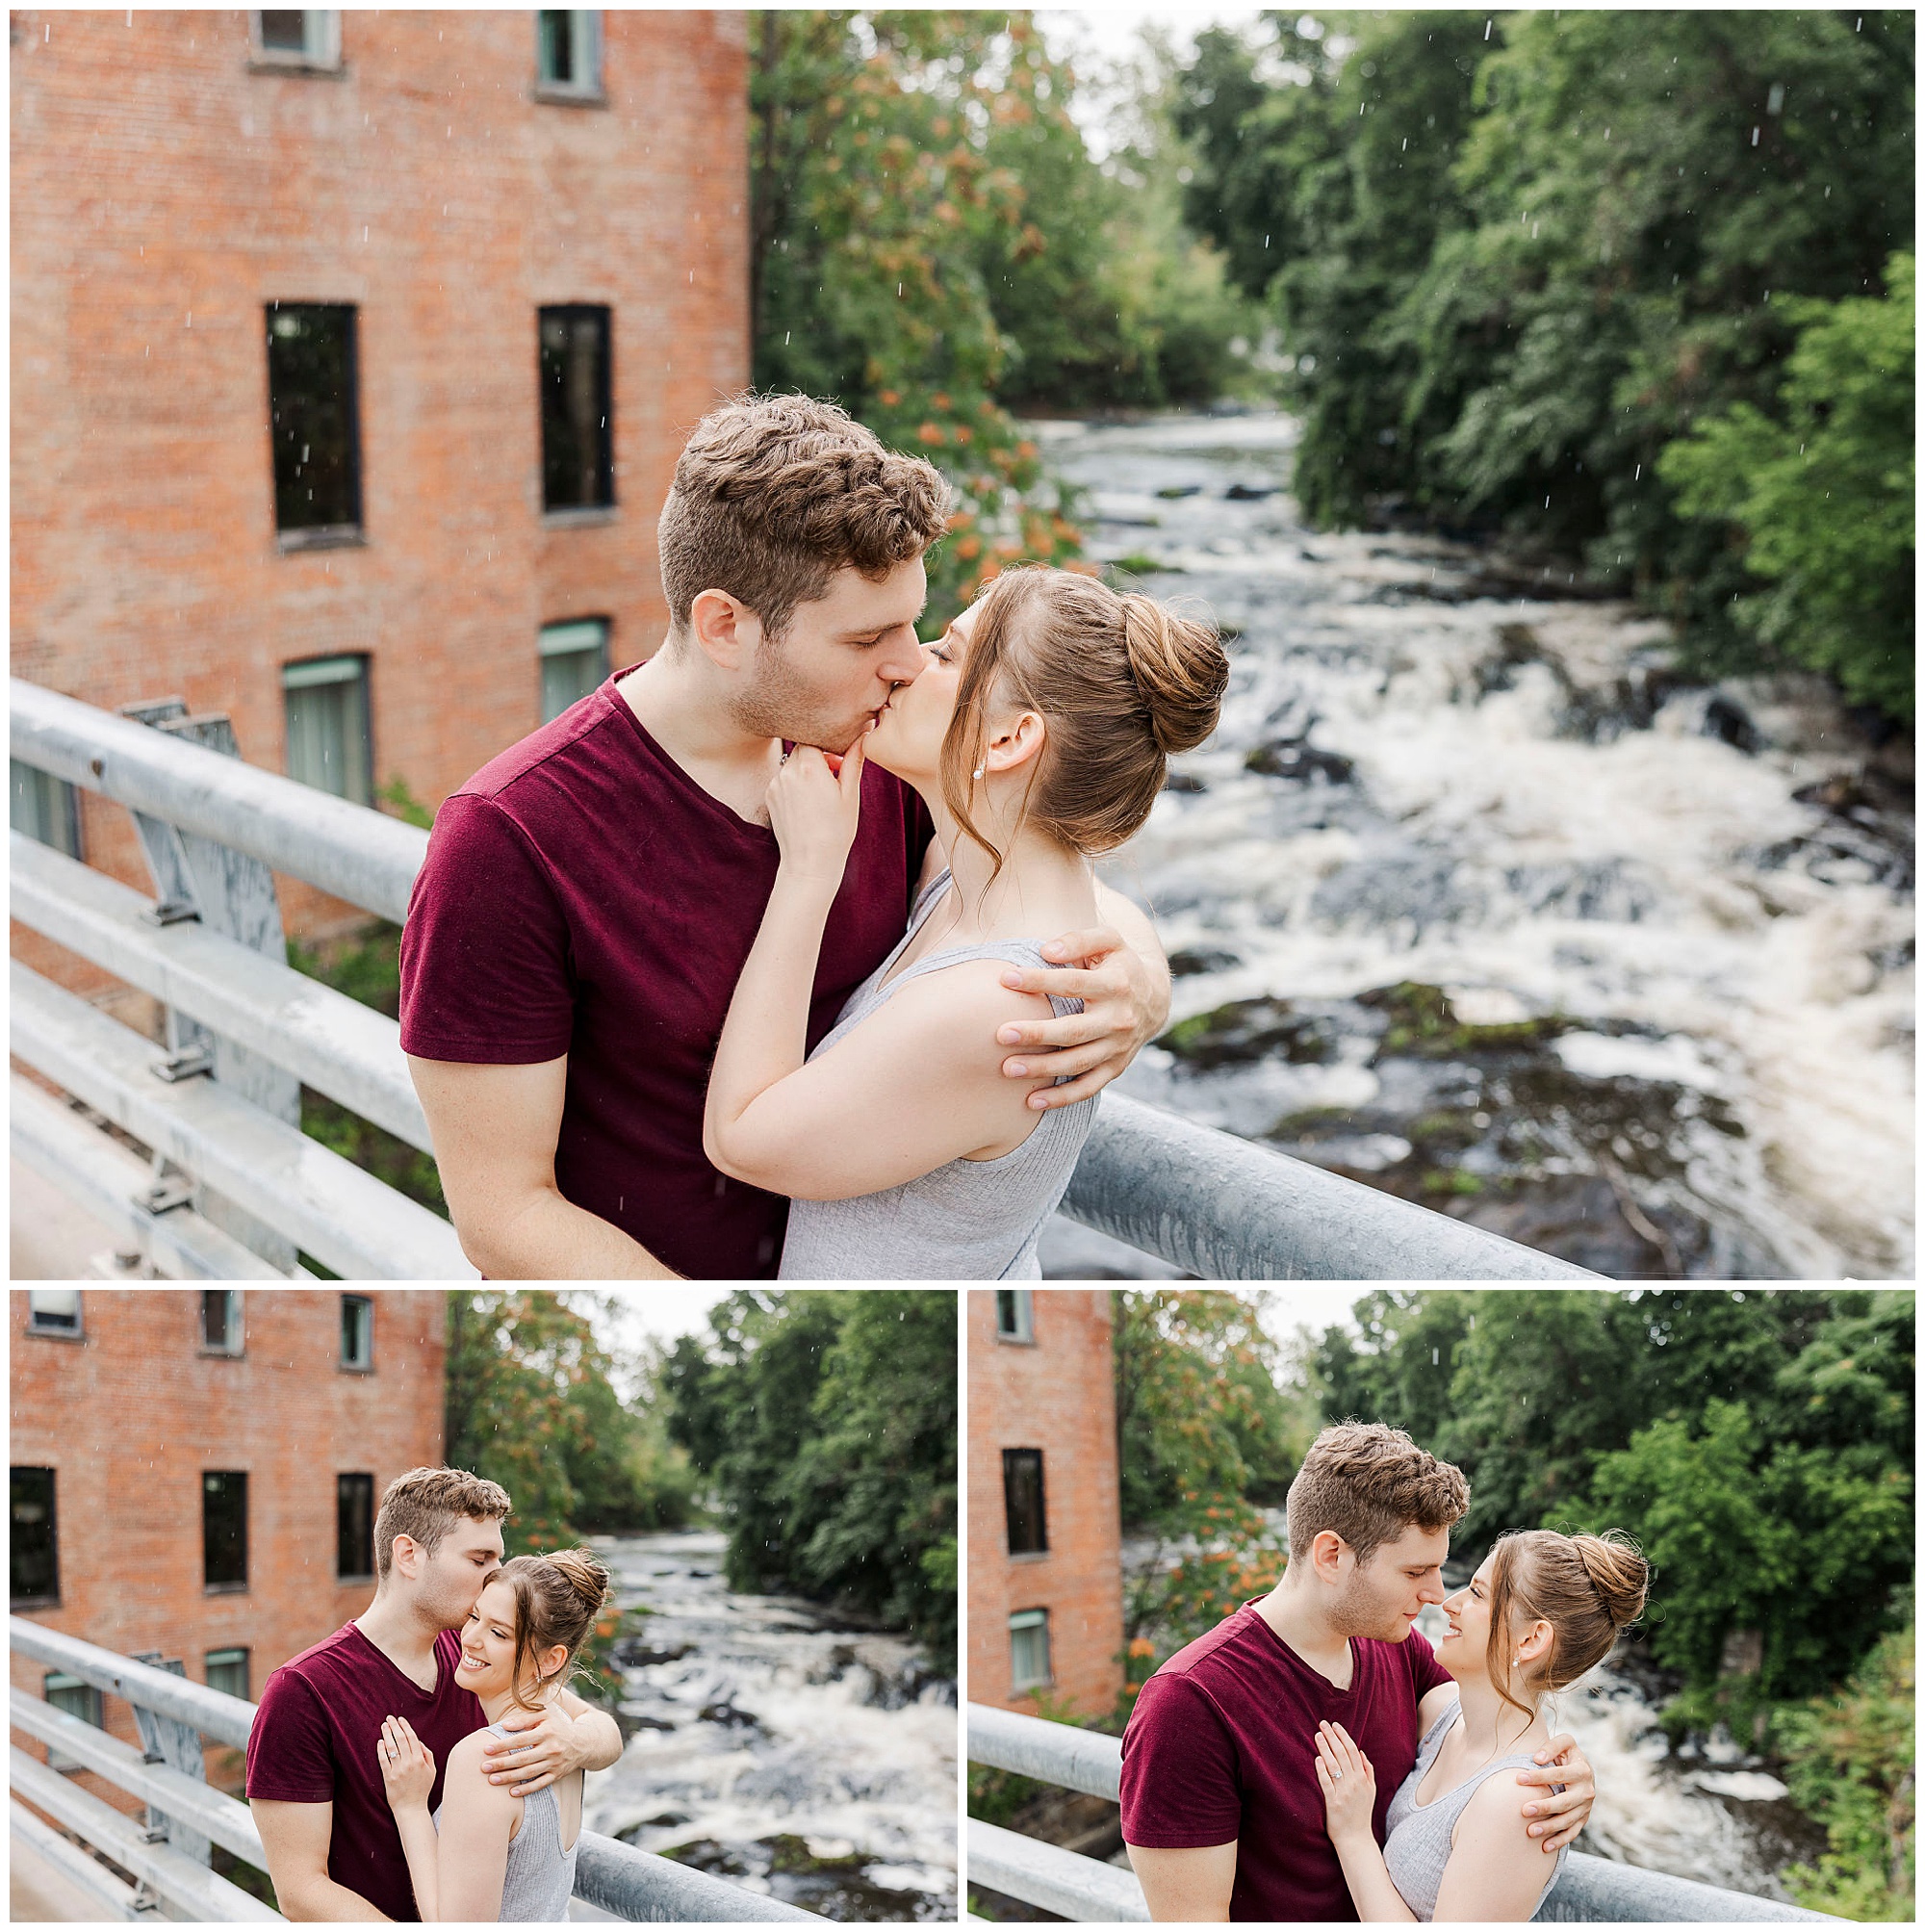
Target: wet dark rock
[[1725, 718], [1171, 492], [1248, 493], [1297, 758], [1418, 890], [660, 1822], [1587, 888], [1422, 1021], [731, 1715], [832, 1886], [1247, 1030], [1183, 781], [634, 1653], [709, 1855], [1187, 960], [635, 1721]]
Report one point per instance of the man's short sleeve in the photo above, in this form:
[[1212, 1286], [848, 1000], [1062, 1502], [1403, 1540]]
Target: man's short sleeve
[[485, 951], [289, 1760], [1180, 1787]]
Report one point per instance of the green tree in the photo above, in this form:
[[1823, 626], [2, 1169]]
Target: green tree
[[825, 1423], [1515, 256], [530, 1405], [1820, 494]]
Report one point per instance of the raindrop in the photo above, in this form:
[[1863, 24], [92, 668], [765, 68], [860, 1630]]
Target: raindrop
[[1754, 136], [1487, 29], [1637, 473]]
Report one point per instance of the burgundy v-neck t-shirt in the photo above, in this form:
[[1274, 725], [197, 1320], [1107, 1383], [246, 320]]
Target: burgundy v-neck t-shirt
[[313, 1744], [1222, 1745], [584, 895]]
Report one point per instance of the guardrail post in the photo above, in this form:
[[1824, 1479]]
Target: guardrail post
[[166, 1740], [231, 893]]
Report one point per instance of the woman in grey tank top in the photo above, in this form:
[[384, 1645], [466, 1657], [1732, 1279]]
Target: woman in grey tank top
[[484, 1854], [1540, 1611], [1036, 735]]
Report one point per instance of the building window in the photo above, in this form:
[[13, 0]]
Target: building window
[[1014, 1315], [227, 1670], [33, 1547], [45, 807], [1022, 1501], [357, 1331], [577, 466], [355, 1527], [568, 55], [78, 1699], [314, 419], [574, 661], [54, 1311], [329, 739], [292, 38], [224, 1528], [220, 1332], [1029, 1649]]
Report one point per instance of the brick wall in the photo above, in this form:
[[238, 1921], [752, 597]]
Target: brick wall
[[131, 1415], [164, 193], [1055, 1394]]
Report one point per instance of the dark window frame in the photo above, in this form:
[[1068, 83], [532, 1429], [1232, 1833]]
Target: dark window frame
[[222, 1657], [1021, 1305], [348, 1366], [1037, 1618], [363, 1531], [559, 516], [293, 538], [544, 652], [235, 1343], [590, 93], [365, 685], [225, 1585], [50, 1599], [1022, 1467], [58, 1331], [324, 61]]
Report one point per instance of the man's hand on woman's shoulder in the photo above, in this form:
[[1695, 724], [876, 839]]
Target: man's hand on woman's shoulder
[[1556, 1817], [1125, 1002]]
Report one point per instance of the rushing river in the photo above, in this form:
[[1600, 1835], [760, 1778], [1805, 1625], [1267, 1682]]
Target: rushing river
[[1474, 898], [775, 1745]]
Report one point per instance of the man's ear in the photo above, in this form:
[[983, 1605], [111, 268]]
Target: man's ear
[[1327, 1551], [724, 629], [404, 1561]]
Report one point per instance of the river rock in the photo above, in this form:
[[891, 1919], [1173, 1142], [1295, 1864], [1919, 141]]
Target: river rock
[[1249, 1029], [1298, 760]]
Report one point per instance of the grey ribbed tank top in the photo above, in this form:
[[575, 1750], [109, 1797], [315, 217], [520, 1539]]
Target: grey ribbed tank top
[[540, 1879], [1416, 1838], [968, 1221]]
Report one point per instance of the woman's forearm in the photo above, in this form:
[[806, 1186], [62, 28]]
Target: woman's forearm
[[1377, 1900], [765, 1037], [422, 1844]]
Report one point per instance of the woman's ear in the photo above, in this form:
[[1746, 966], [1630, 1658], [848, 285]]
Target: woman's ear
[[1016, 741], [1535, 1644]]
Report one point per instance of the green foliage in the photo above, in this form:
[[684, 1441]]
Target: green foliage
[[931, 243], [1823, 498], [1849, 1759], [1515, 256], [827, 1424], [531, 1405]]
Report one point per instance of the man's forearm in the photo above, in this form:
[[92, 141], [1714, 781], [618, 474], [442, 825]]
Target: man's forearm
[[548, 1238], [599, 1737], [318, 1900]]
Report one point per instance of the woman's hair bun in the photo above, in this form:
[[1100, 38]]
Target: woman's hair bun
[[1180, 667], [1618, 1573], [583, 1575]]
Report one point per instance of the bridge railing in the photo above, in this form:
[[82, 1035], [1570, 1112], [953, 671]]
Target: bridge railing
[[1088, 1890], [237, 1190], [167, 1856]]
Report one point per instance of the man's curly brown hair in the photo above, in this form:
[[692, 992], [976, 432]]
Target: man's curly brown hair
[[773, 494], [1369, 1482]]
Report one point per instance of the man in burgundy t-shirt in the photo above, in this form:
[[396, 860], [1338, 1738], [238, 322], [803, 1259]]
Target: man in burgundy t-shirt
[[1231, 1725], [584, 895], [313, 1744]]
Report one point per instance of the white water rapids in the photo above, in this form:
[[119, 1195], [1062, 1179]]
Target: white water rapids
[[777, 1746], [1517, 802]]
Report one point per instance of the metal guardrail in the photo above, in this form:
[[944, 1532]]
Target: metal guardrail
[[1206, 1201], [1082, 1889], [167, 1857]]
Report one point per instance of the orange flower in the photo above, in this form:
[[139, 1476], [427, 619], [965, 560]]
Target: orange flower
[[1025, 448], [929, 433], [969, 548], [941, 402], [1142, 1646], [888, 398], [963, 432]]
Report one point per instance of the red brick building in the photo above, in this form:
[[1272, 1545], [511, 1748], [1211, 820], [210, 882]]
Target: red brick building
[[1045, 1569], [196, 1472], [351, 352]]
